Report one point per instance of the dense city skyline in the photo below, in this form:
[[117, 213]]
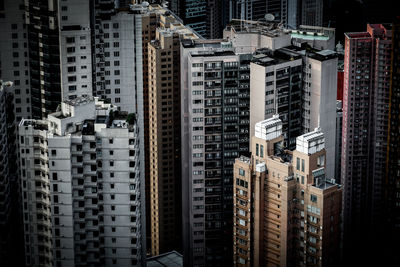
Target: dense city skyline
[[199, 133]]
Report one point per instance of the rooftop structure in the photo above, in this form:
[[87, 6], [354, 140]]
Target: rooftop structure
[[269, 129], [247, 36], [310, 143]]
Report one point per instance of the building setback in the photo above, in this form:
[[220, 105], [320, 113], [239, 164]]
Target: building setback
[[81, 187], [286, 212]]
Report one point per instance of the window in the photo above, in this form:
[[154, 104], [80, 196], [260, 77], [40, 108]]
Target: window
[[241, 172], [70, 49], [298, 164], [54, 152], [302, 165], [257, 154], [72, 79], [261, 151], [70, 40], [313, 198]]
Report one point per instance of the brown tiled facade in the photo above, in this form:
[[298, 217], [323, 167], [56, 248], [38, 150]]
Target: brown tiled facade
[[286, 213]]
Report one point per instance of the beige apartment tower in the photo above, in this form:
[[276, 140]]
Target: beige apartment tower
[[286, 212], [164, 134], [164, 131]]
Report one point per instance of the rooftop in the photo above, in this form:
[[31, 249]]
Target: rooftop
[[36, 124], [267, 57], [244, 159], [320, 181], [79, 101]]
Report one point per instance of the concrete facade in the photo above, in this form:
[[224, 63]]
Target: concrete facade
[[286, 212], [87, 187], [364, 135]]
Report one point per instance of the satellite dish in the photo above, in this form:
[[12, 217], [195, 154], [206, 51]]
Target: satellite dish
[[269, 17]]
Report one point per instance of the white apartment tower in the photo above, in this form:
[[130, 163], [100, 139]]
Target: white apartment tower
[[275, 82], [14, 60], [118, 61], [319, 100], [84, 163], [75, 48]]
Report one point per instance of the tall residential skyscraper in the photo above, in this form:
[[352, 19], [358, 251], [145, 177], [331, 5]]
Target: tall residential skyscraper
[[82, 187], [59, 45], [215, 119], [276, 83], [11, 240], [193, 14], [312, 12], [42, 21], [364, 143], [286, 212], [392, 178], [319, 100], [164, 71], [247, 9], [14, 60]]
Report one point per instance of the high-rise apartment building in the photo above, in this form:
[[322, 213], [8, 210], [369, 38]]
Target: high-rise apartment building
[[165, 137], [365, 122], [247, 10], [319, 100], [203, 16], [193, 14], [59, 45], [392, 173], [276, 83], [312, 12], [286, 212], [82, 187], [14, 55], [215, 119], [10, 221], [301, 80], [118, 50]]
